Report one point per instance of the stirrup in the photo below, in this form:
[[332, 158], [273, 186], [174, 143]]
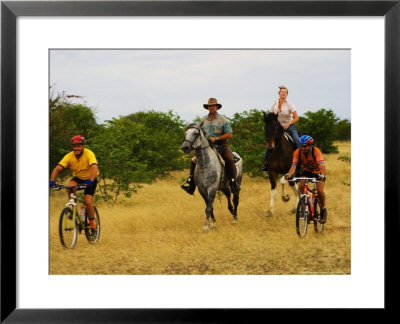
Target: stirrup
[[264, 167], [190, 187]]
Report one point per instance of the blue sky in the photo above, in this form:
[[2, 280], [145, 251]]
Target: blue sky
[[120, 82]]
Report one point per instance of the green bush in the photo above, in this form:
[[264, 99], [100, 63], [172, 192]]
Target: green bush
[[343, 130], [249, 139], [320, 125], [137, 149]]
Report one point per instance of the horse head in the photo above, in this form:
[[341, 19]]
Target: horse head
[[193, 138], [273, 129]]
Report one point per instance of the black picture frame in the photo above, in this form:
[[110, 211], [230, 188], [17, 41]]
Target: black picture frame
[[10, 10]]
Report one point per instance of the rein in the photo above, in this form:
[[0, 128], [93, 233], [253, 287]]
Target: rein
[[191, 144], [276, 147], [194, 140]]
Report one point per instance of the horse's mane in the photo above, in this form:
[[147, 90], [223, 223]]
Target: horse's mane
[[191, 125], [272, 125], [270, 118]]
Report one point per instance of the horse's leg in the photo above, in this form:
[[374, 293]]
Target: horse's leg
[[209, 209], [227, 194], [213, 223], [231, 209], [285, 196], [296, 194], [235, 204], [206, 226], [272, 180]]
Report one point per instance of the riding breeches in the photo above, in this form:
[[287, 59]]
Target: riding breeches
[[227, 155]]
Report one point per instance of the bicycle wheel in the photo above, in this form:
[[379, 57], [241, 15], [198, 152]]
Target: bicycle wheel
[[302, 215], [318, 227], [92, 235], [68, 228]]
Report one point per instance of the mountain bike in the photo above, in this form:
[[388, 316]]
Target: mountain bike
[[308, 208], [73, 222]]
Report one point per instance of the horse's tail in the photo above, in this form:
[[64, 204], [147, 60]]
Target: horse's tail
[[239, 166]]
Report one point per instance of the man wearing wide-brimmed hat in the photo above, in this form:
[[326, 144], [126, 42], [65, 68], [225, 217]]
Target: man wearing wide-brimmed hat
[[218, 130]]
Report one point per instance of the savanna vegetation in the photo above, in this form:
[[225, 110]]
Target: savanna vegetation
[[158, 229]]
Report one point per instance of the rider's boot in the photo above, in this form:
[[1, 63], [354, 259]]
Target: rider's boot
[[231, 171], [191, 185], [324, 216]]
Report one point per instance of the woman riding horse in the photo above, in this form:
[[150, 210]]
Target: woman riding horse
[[285, 109], [279, 159]]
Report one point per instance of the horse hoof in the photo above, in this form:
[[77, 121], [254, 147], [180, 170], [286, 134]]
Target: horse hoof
[[234, 221], [286, 198], [206, 228], [269, 214], [213, 226]]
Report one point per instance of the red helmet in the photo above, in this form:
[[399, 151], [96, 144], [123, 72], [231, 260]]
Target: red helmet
[[78, 139]]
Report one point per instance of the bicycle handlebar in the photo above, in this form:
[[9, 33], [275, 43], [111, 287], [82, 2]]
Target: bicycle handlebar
[[313, 180], [79, 186]]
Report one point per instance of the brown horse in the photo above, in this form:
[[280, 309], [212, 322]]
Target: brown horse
[[279, 159]]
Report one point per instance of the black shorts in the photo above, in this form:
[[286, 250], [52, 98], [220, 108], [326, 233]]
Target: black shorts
[[90, 189]]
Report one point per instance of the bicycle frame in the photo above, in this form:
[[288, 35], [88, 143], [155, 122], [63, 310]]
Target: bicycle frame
[[310, 200], [72, 203]]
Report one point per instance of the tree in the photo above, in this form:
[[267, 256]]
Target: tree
[[249, 139], [320, 125], [137, 149], [343, 130], [67, 119], [163, 135]]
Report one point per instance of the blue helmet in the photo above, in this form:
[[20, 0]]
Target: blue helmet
[[306, 139]]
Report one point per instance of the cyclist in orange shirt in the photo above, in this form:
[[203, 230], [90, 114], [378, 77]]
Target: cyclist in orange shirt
[[83, 164], [311, 165]]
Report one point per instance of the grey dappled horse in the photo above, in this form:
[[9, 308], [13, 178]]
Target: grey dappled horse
[[279, 159], [209, 174]]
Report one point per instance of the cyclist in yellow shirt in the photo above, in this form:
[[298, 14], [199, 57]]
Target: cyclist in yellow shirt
[[83, 164]]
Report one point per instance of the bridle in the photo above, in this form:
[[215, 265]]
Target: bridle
[[195, 138], [276, 146]]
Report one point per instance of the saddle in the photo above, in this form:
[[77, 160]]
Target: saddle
[[236, 157], [288, 137], [221, 160]]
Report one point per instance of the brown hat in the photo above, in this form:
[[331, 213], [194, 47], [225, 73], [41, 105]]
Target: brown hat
[[212, 102]]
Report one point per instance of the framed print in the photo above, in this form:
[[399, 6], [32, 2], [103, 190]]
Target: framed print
[[215, 25]]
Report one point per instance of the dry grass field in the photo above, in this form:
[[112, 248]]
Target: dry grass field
[[159, 231]]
